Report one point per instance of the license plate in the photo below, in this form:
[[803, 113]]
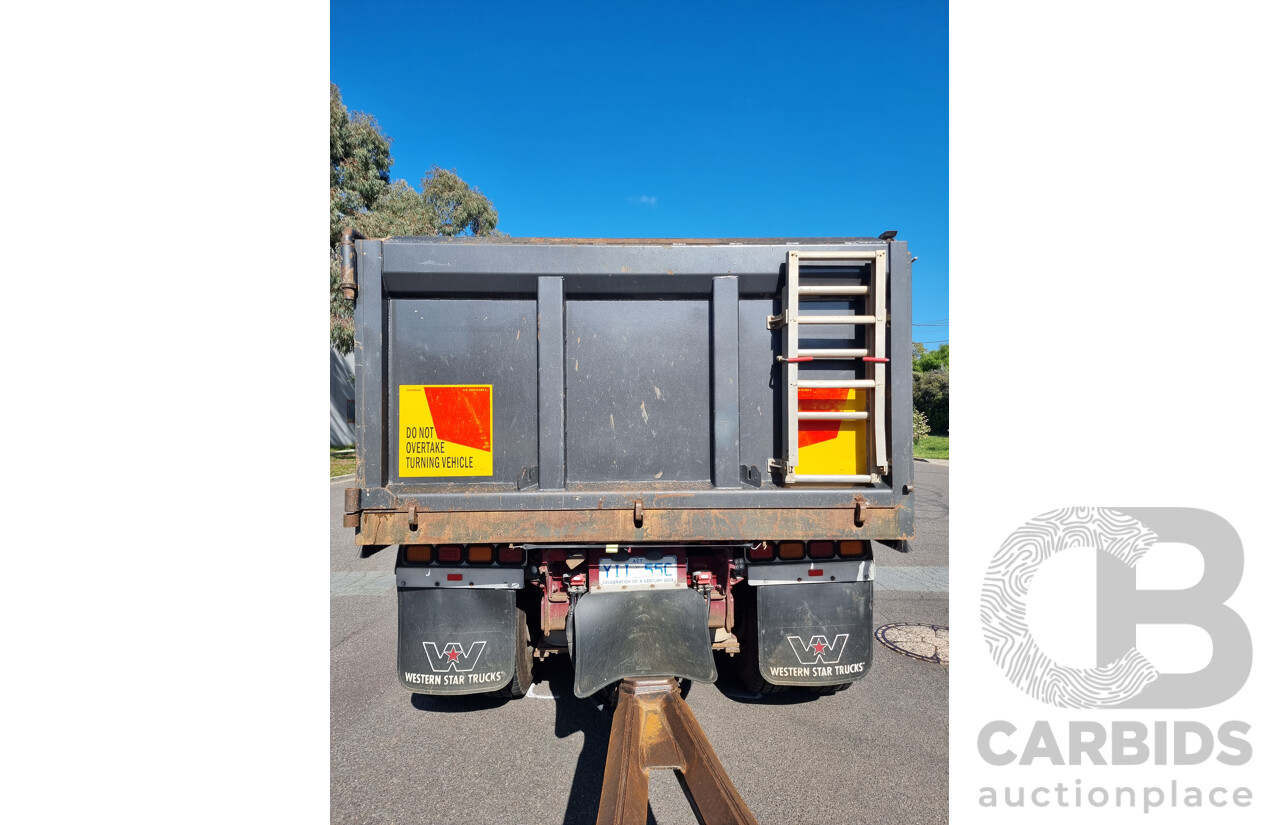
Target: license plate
[[638, 573]]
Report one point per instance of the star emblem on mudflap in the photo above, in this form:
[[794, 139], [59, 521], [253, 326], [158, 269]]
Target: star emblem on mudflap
[[453, 656], [820, 650]]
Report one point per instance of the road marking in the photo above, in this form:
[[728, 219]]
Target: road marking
[[533, 691]]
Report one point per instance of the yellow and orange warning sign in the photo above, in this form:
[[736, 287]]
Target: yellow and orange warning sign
[[446, 430], [832, 447]]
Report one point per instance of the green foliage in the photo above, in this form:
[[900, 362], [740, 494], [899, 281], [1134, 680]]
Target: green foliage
[[445, 206], [939, 359], [933, 446], [359, 163], [930, 379], [931, 395], [457, 209], [342, 333], [919, 426], [362, 196], [399, 210]]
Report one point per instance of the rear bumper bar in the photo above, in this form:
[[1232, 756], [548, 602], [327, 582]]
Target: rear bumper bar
[[387, 527]]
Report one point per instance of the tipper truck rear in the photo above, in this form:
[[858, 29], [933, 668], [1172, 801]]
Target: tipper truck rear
[[632, 453]]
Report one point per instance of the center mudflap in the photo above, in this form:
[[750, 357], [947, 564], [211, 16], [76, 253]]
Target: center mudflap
[[642, 633], [454, 641], [815, 634]]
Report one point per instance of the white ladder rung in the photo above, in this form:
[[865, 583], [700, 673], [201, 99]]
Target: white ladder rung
[[832, 353], [834, 319], [847, 384], [832, 290], [832, 479], [807, 415]]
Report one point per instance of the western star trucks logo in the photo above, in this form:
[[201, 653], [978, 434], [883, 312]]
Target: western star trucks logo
[[818, 650], [452, 656], [1123, 677]]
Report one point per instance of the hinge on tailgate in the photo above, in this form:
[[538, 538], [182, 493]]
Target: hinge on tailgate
[[351, 507], [347, 259]]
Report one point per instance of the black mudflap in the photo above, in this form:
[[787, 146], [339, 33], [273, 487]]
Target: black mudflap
[[814, 634], [455, 641], [650, 633]]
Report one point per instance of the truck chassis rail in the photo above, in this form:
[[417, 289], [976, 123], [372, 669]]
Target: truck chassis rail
[[653, 727]]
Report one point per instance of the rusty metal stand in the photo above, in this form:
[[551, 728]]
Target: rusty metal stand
[[654, 728]]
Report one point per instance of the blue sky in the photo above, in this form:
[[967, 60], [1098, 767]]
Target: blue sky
[[672, 120]]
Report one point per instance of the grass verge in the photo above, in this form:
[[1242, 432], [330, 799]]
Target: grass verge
[[342, 460], [932, 446]]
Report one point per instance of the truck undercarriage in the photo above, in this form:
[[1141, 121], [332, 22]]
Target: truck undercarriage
[[474, 617]]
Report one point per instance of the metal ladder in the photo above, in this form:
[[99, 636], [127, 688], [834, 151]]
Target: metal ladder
[[811, 287]]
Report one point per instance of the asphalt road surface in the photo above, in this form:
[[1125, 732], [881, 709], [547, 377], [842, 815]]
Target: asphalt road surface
[[875, 753]]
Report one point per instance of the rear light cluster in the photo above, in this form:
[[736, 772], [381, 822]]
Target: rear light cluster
[[795, 550], [478, 555]]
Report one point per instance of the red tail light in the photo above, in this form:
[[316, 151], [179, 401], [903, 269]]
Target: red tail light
[[449, 553], [822, 549], [761, 552], [510, 555]]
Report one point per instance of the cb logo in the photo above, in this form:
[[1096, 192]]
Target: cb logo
[[1124, 678]]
